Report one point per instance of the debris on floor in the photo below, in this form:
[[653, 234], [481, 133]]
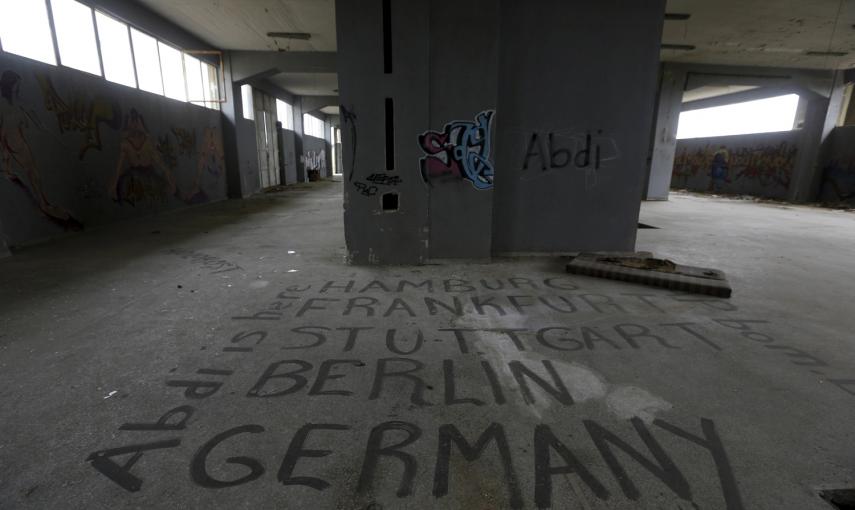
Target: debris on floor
[[644, 268]]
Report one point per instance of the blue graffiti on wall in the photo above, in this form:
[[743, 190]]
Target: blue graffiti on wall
[[460, 151]]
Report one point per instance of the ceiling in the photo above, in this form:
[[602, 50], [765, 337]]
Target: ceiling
[[244, 24], [775, 33], [307, 84]]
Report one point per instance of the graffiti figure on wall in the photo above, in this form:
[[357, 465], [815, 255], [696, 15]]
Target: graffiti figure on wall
[[137, 178], [461, 151], [211, 160], [15, 152], [80, 115], [719, 169]]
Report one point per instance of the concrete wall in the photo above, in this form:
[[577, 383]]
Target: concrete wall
[[485, 93], [838, 167], [80, 151], [583, 73], [761, 165]]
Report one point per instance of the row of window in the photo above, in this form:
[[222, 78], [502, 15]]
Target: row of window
[[91, 41]]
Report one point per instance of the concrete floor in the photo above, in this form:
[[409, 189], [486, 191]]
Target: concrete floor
[[202, 360]]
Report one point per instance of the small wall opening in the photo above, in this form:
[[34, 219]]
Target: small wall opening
[[389, 201]]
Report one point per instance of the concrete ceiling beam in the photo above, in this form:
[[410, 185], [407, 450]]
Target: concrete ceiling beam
[[253, 65]]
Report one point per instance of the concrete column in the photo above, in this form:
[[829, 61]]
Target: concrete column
[[489, 126], [807, 175], [670, 100], [231, 110]]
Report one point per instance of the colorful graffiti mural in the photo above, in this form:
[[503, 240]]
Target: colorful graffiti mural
[[80, 114], [765, 165], [142, 175], [99, 153], [18, 164], [461, 151]]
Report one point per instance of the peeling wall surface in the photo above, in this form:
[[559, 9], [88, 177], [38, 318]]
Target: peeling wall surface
[[760, 165], [838, 167], [78, 151], [493, 140]]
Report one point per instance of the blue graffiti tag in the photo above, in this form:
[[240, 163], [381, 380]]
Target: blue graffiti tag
[[460, 151]]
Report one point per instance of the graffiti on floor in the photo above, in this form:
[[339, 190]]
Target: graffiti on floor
[[281, 354], [216, 265], [461, 151], [838, 182], [80, 114], [722, 168], [16, 157]]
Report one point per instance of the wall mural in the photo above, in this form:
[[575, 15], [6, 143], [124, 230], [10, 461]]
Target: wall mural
[[117, 153], [461, 151], [18, 164], [79, 114], [314, 160], [767, 168]]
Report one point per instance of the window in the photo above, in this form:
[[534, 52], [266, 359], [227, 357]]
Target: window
[[210, 86], [25, 30], [761, 116], [115, 50], [285, 114], [246, 99], [148, 62], [94, 42], [193, 71], [313, 126], [75, 36], [172, 68]]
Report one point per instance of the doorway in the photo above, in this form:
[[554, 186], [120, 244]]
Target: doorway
[[266, 139]]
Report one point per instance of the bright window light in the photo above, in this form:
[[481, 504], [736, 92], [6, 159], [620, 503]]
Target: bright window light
[[313, 126], [173, 72], [246, 99], [25, 30], [210, 86], [761, 116], [148, 62], [285, 114], [115, 50], [75, 36], [195, 89]]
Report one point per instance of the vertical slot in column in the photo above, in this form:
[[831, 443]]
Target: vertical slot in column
[[387, 36], [390, 134]]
